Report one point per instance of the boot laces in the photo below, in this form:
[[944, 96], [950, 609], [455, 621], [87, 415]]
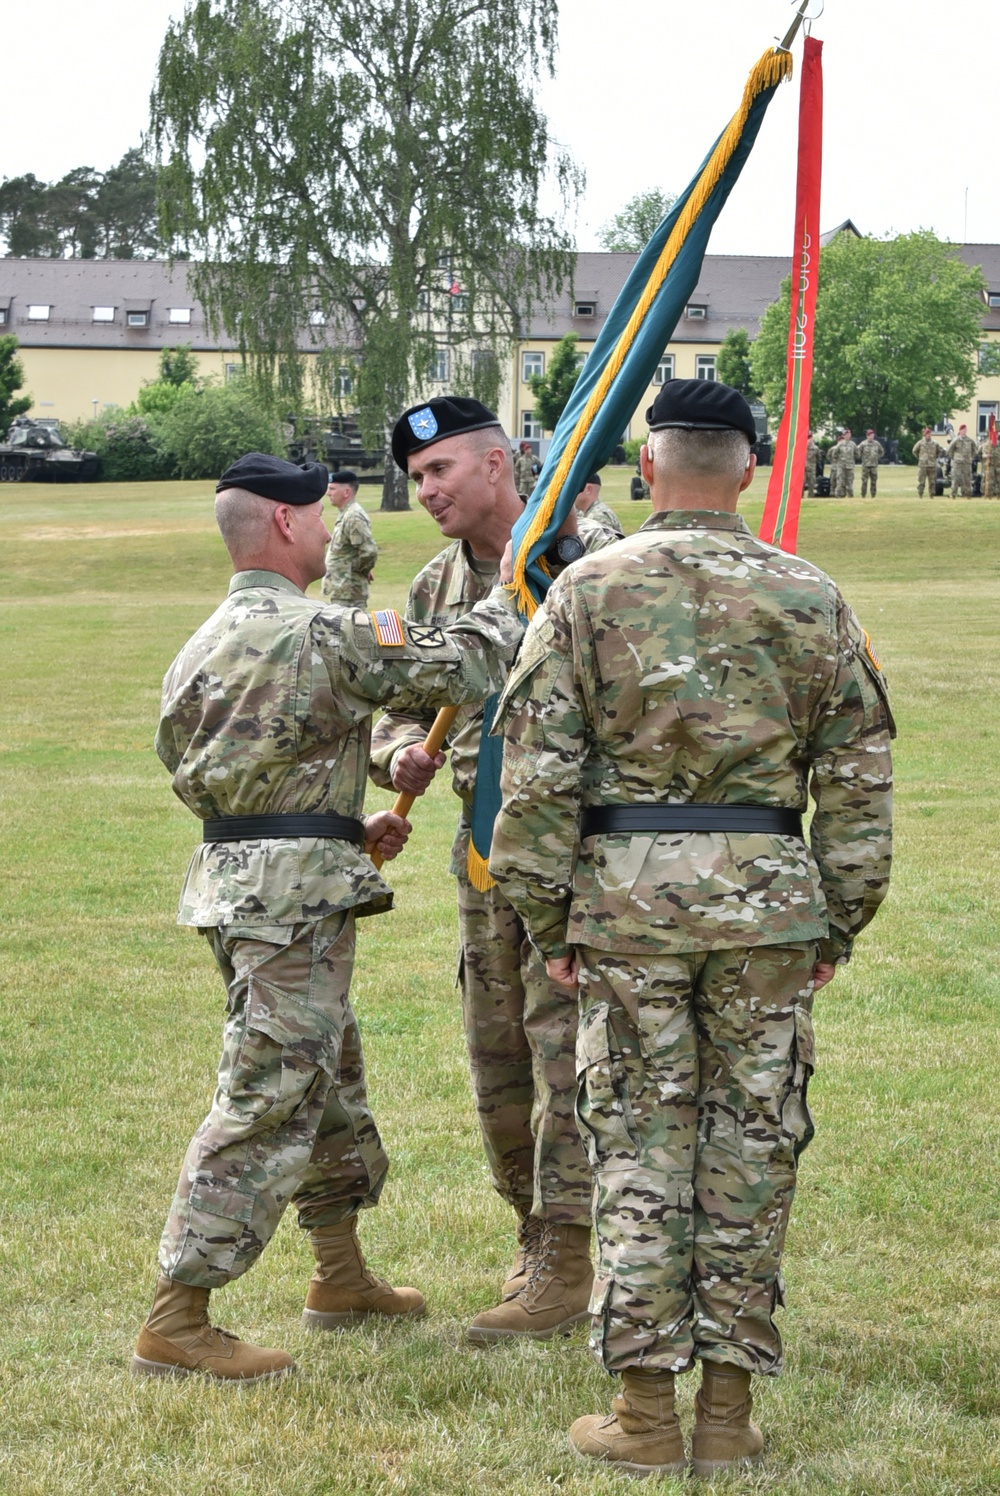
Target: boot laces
[[529, 1238], [546, 1251]]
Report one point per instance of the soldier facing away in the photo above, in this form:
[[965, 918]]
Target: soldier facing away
[[352, 552], [961, 455], [519, 1027], [265, 725], [843, 458], [927, 451], [870, 454], [989, 452], [590, 503], [812, 464], [673, 699]]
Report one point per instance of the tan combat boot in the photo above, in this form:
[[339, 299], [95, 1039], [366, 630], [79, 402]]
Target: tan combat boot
[[641, 1435], [177, 1339], [723, 1433], [342, 1290], [551, 1298], [529, 1237]]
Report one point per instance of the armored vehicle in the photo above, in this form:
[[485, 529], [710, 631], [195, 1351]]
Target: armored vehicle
[[337, 443], [36, 450]]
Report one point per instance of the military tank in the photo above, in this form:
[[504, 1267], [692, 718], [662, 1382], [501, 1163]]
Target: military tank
[[36, 450]]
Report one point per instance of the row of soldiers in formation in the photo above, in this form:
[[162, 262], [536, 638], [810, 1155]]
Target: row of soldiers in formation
[[639, 959], [961, 457]]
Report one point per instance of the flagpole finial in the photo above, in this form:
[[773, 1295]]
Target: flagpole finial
[[802, 15]]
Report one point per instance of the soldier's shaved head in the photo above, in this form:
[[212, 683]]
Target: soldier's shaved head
[[699, 454], [244, 520]]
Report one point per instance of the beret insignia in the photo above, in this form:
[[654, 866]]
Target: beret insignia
[[423, 424]]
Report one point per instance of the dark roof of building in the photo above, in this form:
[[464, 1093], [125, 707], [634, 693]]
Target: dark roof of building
[[735, 291], [847, 227]]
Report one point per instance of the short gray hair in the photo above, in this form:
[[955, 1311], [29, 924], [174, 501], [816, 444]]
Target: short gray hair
[[244, 521], [700, 453]]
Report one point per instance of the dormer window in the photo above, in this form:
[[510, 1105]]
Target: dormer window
[[317, 317], [585, 309], [3, 316], [696, 310], [180, 314], [103, 313], [138, 319], [993, 298], [38, 312]]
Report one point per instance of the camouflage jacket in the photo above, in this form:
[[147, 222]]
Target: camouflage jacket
[[693, 663], [988, 452], [844, 454], [600, 513], [524, 476], [927, 451], [962, 449], [812, 452], [267, 711], [870, 454], [447, 588], [350, 556]]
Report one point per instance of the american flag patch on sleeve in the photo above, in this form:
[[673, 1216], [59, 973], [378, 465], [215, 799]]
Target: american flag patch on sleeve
[[388, 627]]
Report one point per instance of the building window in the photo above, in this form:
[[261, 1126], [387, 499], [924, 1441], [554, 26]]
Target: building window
[[104, 313], [179, 314], [423, 301], [438, 370], [3, 315], [986, 409], [234, 371], [531, 430], [696, 309], [664, 369], [138, 319], [37, 313], [993, 298], [459, 301], [585, 309], [987, 353], [704, 366], [345, 381], [317, 317], [532, 366]]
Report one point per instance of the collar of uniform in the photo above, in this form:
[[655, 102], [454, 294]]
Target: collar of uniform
[[695, 519], [244, 579]]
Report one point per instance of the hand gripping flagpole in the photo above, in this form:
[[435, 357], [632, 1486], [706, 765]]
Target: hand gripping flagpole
[[433, 743]]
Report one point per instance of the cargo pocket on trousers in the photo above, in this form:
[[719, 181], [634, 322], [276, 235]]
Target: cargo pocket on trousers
[[603, 1110], [797, 1127]]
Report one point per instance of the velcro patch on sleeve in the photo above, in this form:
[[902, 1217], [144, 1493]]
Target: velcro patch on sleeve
[[870, 650], [388, 627]]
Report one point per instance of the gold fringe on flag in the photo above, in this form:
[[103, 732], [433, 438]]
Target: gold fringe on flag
[[767, 73], [478, 870]]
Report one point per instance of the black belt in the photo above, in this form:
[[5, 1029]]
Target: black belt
[[252, 828], [759, 820]]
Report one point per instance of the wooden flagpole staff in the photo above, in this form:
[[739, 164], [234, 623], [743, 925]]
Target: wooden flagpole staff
[[433, 743]]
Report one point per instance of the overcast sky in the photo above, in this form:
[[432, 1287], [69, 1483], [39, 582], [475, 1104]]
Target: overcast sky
[[641, 90]]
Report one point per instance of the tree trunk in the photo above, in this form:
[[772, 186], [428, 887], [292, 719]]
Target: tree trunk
[[395, 486]]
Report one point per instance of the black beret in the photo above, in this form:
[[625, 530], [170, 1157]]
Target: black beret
[[274, 478], [423, 425], [701, 405], [594, 478], [344, 475]]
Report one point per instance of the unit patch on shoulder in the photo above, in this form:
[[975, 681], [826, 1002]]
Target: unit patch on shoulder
[[870, 650], [427, 635], [388, 627]]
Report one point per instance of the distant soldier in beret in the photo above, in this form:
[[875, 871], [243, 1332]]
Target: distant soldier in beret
[[961, 456], [352, 552], [870, 454], [843, 457], [265, 727], [672, 700], [590, 503], [927, 452], [520, 1029], [525, 477]]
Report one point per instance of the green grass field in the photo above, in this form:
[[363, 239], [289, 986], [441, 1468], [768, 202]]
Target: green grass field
[[110, 1022]]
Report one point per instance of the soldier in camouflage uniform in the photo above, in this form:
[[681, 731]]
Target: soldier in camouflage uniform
[[927, 451], [961, 456], [990, 455], [352, 552], [520, 1030], [842, 459], [870, 454], [670, 703], [265, 726], [590, 503], [812, 464], [525, 476]]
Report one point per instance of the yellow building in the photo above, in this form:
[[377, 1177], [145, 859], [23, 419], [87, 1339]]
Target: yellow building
[[91, 331]]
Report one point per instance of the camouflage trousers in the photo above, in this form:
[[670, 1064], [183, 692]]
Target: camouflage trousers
[[961, 480], [521, 1034], [869, 475], [693, 1070], [844, 486], [928, 475], [991, 478], [290, 1118], [350, 592]]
